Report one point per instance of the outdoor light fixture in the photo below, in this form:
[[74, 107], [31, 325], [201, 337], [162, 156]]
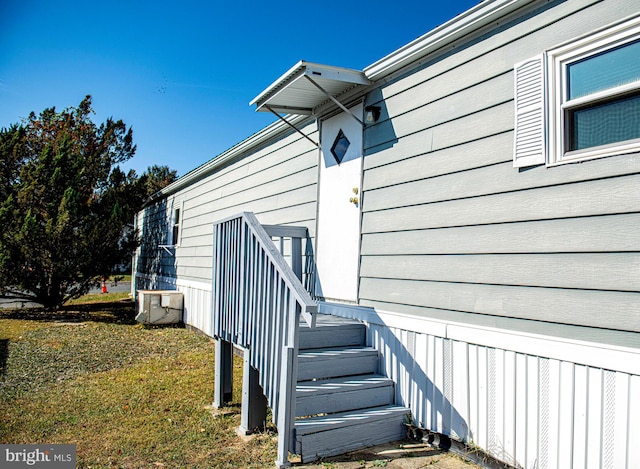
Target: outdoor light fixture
[[371, 114]]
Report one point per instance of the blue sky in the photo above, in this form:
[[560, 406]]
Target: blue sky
[[181, 74]]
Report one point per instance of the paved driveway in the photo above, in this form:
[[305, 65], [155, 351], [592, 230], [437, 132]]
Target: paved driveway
[[13, 303], [112, 287]]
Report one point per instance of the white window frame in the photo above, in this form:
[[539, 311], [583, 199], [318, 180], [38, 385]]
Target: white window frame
[[557, 62], [179, 208]]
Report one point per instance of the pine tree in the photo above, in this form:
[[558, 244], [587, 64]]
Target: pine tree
[[65, 205], [156, 178]]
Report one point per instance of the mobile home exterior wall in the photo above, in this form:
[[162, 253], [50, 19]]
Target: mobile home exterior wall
[[277, 181], [550, 244], [504, 301]]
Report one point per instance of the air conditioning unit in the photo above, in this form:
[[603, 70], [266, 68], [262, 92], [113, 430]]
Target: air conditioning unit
[[159, 306]]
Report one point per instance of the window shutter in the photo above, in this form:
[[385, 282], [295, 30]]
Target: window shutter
[[529, 131]]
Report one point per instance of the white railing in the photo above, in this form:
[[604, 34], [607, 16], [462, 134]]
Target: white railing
[[257, 302]]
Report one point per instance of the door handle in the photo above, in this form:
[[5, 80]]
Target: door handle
[[354, 200]]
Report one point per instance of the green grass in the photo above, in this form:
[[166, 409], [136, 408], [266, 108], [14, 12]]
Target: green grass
[[120, 277], [98, 298], [127, 395]]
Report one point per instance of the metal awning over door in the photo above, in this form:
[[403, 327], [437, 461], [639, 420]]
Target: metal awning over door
[[306, 86]]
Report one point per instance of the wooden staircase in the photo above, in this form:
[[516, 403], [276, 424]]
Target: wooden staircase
[[341, 403], [337, 402]]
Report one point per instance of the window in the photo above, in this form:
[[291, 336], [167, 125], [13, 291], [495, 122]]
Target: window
[[580, 101], [175, 233], [340, 147], [175, 224]]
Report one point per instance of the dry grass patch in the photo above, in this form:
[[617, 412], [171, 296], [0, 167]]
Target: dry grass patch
[[98, 298], [128, 396]]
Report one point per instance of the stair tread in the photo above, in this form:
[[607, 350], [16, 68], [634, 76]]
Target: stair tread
[[334, 362], [343, 384], [332, 331], [327, 320], [335, 395], [349, 418], [332, 352]]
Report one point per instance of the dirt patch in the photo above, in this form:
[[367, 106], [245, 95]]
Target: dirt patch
[[396, 455]]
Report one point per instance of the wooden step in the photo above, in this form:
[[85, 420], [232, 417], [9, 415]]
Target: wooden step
[[331, 331], [320, 437], [336, 362], [343, 394]]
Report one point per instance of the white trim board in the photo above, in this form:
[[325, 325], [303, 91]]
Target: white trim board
[[624, 359], [177, 282]]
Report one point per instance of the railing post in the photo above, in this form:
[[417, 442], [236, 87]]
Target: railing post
[[286, 414], [223, 381], [287, 410], [253, 414], [296, 257]]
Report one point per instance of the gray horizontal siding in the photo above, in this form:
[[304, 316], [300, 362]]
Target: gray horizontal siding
[[154, 231], [270, 195], [251, 185], [592, 271], [486, 180], [574, 332], [450, 228], [603, 196], [431, 163], [198, 223], [277, 182], [490, 121], [614, 233], [465, 102], [568, 306], [485, 60]]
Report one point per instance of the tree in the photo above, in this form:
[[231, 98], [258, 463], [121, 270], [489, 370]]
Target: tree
[[64, 203], [156, 178]]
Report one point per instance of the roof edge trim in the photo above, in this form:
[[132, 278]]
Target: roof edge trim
[[465, 23]]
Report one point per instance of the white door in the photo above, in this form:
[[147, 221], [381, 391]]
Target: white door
[[338, 231]]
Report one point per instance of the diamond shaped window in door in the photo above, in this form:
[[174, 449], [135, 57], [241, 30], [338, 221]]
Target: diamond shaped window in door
[[340, 146]]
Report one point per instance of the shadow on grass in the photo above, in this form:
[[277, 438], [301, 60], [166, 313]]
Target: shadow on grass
[[118, 312], [4, 355]]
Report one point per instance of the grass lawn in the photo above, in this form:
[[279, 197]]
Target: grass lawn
[[128, 396]]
